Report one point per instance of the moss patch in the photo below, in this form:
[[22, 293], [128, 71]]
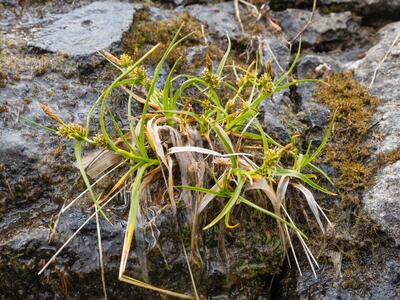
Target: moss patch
[[355, 235], [387, 158], [349, 151], [146, 33]]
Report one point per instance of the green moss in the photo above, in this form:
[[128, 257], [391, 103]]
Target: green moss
[[348, 152], [354, 104], [387, 158], [146, 33]]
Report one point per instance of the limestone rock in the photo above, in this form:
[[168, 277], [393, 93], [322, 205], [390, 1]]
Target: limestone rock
[[85, 30], [383, 201], [389, 8], [220, 17], [386, 83], [325, 31]]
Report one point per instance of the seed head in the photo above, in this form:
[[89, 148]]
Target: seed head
[[268, 67], [206, 104], [209, 62], [271, 160], [111, 57], [139, 74], [229, 104], [266, 84], [125, 60], [71, 131], [212, 79], [100, 141], [50, 113], [242, 80]]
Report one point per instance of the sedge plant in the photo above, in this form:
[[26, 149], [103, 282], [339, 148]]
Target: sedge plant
[[213, 140]]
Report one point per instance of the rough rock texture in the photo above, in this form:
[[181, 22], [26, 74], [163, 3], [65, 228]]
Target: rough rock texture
[[73, 33], [383, 201], [363, 7], [325, 32], [380, 279], [386, 83], [374, 271], [315, 114], [220, 17], [387, 8]]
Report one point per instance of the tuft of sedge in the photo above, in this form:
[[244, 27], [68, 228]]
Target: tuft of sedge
[[50, 113]]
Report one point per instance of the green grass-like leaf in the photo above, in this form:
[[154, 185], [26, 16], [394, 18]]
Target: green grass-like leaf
[[302, 177]]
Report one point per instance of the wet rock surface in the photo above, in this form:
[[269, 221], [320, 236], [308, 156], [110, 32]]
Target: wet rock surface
[[37, 176]]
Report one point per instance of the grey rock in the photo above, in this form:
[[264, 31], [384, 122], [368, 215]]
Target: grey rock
[[366, 7], [186, 2], [278, 110], [383, 201], [10, 3], [86, 30], [379, 8], [158, 14], [309, 66], [325, 31], [276, 51], [279, 117], [379, 280], [220, 18], [386, 83], [317, 115]]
